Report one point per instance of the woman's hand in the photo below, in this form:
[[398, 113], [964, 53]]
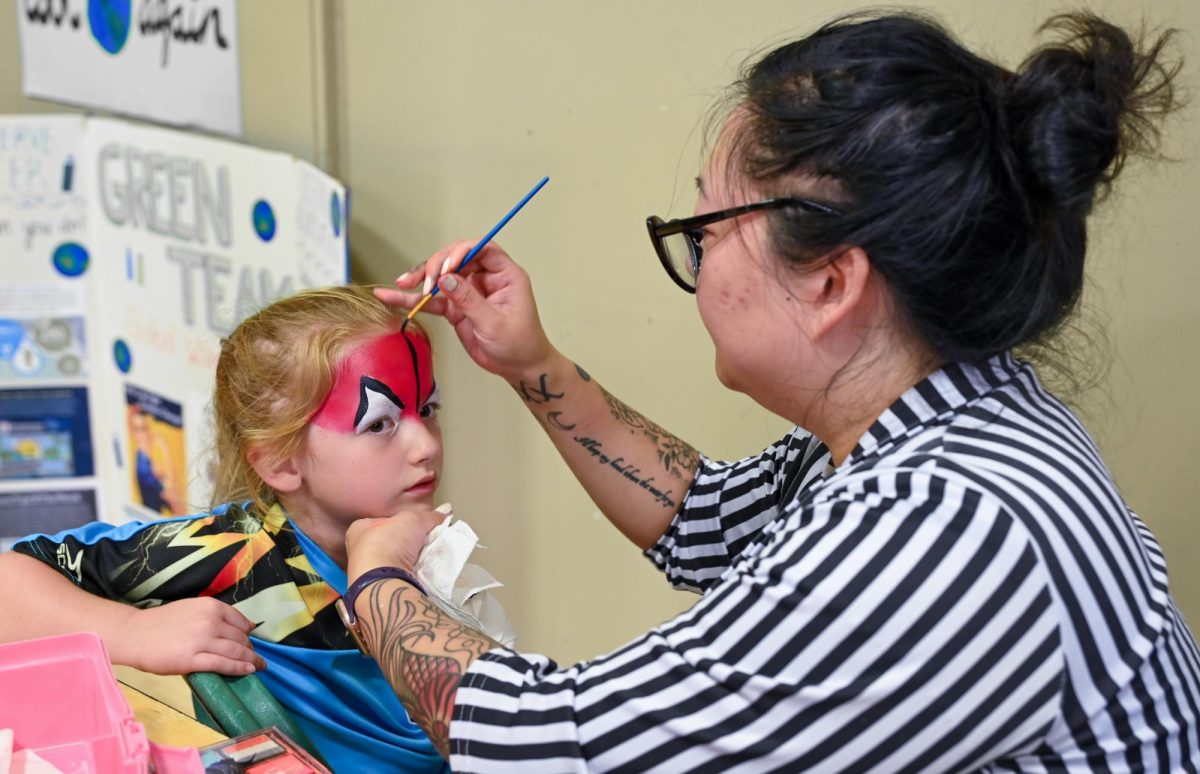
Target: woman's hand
[[490, 304], [395, 541], [190, 635]]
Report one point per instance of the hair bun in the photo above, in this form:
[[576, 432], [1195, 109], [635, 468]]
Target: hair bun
[[1080, 106]]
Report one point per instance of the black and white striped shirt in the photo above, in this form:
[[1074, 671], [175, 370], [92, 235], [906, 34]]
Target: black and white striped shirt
[[966, 591]]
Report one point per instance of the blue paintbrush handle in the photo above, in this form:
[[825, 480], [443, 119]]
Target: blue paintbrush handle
[[488, 237]]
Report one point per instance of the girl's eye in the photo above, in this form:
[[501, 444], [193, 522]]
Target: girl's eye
[[379, 425], [430, 410]]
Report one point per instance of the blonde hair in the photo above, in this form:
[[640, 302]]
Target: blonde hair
[[274, 372]]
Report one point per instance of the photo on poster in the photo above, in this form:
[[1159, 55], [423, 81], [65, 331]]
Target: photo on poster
[[47, 512], [42, 348], [44, 433], [156, 451]]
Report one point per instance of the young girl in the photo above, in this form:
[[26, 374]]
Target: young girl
[[326, 413]]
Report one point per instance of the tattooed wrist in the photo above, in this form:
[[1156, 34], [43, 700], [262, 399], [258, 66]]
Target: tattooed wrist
[[536, 394]]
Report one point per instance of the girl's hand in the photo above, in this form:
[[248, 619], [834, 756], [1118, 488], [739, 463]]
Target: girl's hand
[[395, 541], [190, 635], [490, 304]]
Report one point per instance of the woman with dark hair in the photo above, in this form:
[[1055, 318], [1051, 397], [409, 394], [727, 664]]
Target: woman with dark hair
[[934, 570]]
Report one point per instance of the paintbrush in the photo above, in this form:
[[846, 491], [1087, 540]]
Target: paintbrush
[[479, 246]]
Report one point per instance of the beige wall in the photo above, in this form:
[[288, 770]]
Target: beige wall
[[440, 115]]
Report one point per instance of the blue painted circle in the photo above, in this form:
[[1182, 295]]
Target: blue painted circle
[[122, 356], [264, 220], [70, 258], [335, 213], [110, 21]]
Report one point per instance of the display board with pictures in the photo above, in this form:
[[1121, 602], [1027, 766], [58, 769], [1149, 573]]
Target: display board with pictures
[[126, 252]]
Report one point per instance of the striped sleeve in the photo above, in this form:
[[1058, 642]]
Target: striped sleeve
[[906, 623], [728, 505]]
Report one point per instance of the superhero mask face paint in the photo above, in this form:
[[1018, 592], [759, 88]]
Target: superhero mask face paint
[[386, 378]]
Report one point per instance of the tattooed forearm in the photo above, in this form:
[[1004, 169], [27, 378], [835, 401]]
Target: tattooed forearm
[[422, 652], [626, 469], [539, 394], [554, 418], [677, 457]]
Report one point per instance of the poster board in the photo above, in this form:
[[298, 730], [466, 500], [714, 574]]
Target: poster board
[[171, 61], [128, 251]]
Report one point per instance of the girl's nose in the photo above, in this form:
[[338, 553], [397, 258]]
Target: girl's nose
[[424, 443]]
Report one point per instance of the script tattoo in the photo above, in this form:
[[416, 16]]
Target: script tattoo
[[539, 394], [423, 653], [676, 456], [626, 469]]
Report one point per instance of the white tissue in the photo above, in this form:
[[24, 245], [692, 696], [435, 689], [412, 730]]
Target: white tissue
[[461, 589]]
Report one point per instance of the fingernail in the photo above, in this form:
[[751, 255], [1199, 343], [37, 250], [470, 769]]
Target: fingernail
[[446, 264], [449, 282], [428, 284]]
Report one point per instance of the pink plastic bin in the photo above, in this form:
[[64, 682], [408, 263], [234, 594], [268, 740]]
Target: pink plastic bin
[[59, 696]]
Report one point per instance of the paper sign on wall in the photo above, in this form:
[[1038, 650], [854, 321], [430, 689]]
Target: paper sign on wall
[[172, 61]]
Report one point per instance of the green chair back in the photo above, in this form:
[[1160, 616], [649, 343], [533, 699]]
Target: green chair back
[[241, 705]]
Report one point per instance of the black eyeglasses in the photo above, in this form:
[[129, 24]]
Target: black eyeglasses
[[677, 242]]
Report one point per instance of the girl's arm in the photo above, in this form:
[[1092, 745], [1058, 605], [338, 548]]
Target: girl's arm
[[190, 635]]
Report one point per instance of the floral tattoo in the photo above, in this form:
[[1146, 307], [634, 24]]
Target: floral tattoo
[[677, 457], [423, 653]]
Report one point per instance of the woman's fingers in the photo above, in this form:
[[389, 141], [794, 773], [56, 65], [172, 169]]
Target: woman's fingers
[[426, 275], [409, 300], [418, 281]]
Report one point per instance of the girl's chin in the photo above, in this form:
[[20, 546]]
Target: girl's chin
[[417, 501]]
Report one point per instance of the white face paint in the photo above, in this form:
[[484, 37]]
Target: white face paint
[[379, 408], [382, 409]]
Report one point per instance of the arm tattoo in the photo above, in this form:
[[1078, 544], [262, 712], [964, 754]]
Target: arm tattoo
[[676, 456], [539, 394], [555, 419], [423, 653]]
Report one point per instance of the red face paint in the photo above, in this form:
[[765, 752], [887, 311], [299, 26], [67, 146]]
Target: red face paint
[[387, 377]]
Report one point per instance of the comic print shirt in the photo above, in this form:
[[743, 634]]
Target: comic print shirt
[[268, 569]]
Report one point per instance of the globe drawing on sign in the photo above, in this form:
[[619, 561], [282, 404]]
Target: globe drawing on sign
[[70, 259], [110, 22], [122, 356], [335, 213], [264, 220]]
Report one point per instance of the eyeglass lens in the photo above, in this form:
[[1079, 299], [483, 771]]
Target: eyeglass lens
[[684, 251]]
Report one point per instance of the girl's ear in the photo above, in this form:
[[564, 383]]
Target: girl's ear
[[280, 473]]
